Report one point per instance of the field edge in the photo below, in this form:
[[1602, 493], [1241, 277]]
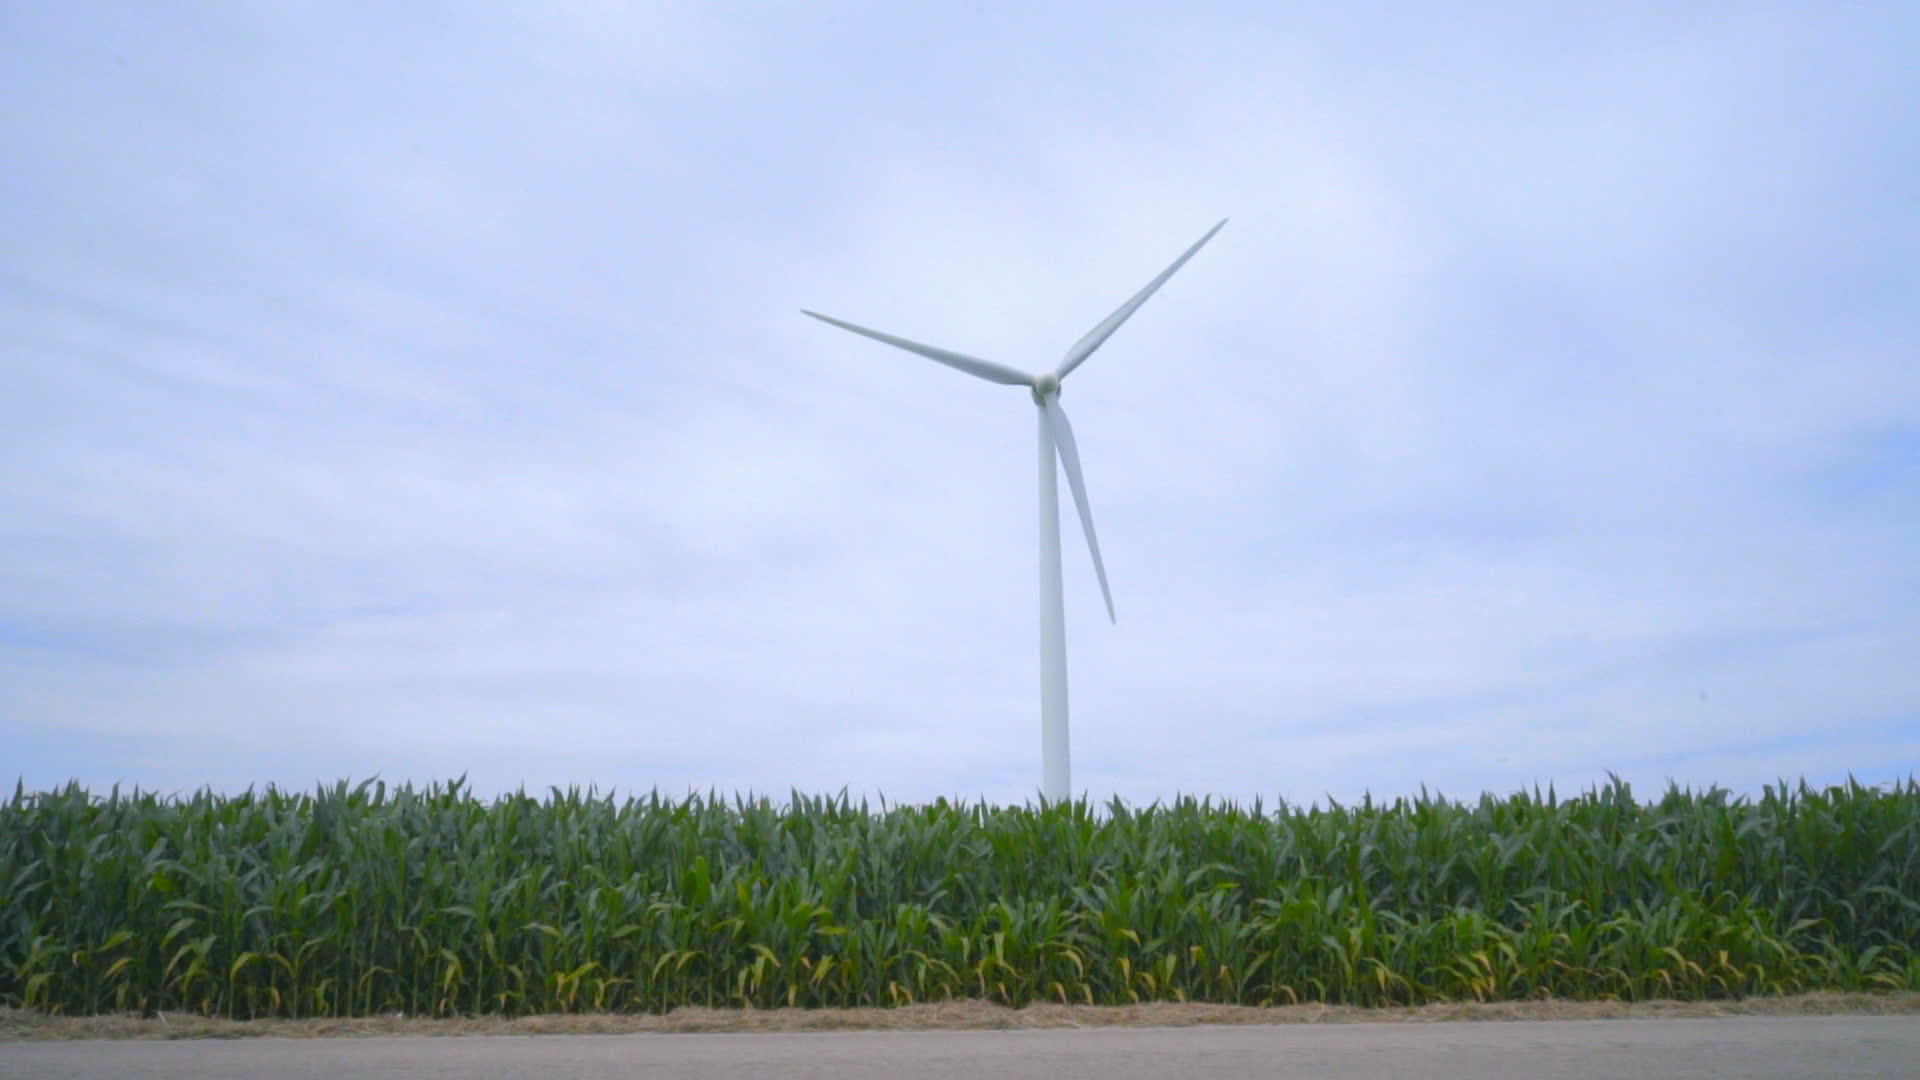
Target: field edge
[[23, 1025]]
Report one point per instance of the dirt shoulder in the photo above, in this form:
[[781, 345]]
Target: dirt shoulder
[[18, 1024]]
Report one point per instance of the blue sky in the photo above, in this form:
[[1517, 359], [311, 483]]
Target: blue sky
[[421, 390]]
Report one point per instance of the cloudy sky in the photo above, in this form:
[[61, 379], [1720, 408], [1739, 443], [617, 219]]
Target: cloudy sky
[[419, 390]]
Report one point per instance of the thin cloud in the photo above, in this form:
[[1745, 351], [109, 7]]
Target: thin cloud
[[390, 396]]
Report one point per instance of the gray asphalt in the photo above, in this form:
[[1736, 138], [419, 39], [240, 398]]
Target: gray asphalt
[[1758, 1048]]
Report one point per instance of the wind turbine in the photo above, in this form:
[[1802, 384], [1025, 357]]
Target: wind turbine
[[1056, 439]]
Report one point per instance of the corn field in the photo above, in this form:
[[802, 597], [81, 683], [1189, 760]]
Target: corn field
[[368, 900]]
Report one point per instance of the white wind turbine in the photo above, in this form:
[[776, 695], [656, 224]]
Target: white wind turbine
[[1056, 437]]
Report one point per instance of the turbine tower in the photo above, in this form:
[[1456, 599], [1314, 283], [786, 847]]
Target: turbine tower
[[1056, 440]]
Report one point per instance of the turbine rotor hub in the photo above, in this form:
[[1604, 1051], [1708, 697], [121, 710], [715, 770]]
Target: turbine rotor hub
[[1044, 385]]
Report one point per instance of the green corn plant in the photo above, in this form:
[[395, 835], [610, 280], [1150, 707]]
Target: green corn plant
[[363, 899]]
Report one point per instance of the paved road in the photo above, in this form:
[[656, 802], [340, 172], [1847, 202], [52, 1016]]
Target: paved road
[[1759, 1048]]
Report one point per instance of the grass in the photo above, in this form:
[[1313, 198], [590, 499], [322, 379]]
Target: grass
[[365, 901]]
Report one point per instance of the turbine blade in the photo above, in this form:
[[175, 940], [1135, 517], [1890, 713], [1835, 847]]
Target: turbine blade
[[972, 365], [1070, 460], [1099, 334]]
